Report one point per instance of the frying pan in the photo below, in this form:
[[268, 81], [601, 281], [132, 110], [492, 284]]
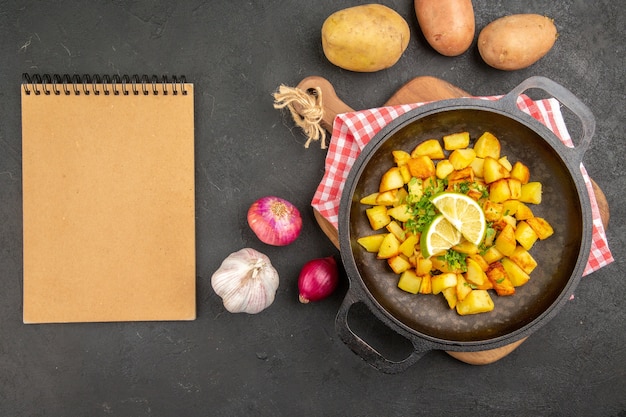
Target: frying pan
[[426, 321]]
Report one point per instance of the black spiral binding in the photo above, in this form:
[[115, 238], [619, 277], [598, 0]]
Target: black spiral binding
[[96, 84]]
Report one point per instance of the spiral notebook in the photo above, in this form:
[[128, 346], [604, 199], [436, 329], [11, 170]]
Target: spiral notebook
[[108, 199]]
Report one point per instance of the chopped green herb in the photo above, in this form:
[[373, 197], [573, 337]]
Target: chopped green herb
[[455, 260], [484, 191], [466, 186], [463, 187], [489, 234], [419, 206]]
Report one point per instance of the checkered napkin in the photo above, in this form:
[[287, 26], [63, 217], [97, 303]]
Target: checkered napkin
[[352, 131]]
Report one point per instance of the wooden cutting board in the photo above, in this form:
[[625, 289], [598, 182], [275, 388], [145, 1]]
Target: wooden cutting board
[[419, 89]]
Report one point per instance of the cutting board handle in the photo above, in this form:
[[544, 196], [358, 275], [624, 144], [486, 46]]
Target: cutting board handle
[[331, 103]]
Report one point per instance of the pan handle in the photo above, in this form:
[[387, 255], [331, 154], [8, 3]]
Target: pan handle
[[565, 97], [359, 346]]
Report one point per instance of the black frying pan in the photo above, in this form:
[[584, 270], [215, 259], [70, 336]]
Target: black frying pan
[[426, 321]]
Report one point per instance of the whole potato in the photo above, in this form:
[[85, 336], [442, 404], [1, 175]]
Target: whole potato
[[516, 41], [365, 38], [447, 25]]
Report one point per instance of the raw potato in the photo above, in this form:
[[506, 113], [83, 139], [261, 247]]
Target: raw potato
[[516, 41], [365, 38], [447, 25]]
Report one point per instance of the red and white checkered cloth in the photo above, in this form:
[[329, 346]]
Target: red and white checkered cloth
[[352, 131]]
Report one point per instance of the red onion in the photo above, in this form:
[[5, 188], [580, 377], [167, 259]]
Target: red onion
[[274, 220], [318, 279]]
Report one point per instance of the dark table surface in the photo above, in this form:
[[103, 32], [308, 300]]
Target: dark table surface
[[288, 360]]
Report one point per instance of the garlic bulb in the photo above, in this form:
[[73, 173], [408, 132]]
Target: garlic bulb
[[246, 281]]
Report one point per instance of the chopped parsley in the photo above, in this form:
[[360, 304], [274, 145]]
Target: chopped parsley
[[465, 187], [489, 234], [419, 205], [456, 261]]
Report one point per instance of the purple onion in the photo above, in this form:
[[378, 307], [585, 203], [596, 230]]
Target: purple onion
[[318, 279], [274, 220]]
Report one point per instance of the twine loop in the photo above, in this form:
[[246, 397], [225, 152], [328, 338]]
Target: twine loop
[[306, 110]]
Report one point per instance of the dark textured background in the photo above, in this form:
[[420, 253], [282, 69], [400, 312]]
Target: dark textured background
[[288, 360]]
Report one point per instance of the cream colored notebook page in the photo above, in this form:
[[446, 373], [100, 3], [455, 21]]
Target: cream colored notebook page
[[108, 199]]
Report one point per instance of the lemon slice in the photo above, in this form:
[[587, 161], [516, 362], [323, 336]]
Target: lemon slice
[[438, 237], [464, 213]]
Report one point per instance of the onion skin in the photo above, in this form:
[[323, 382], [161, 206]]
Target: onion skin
[[318, 279], [274, 221]]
